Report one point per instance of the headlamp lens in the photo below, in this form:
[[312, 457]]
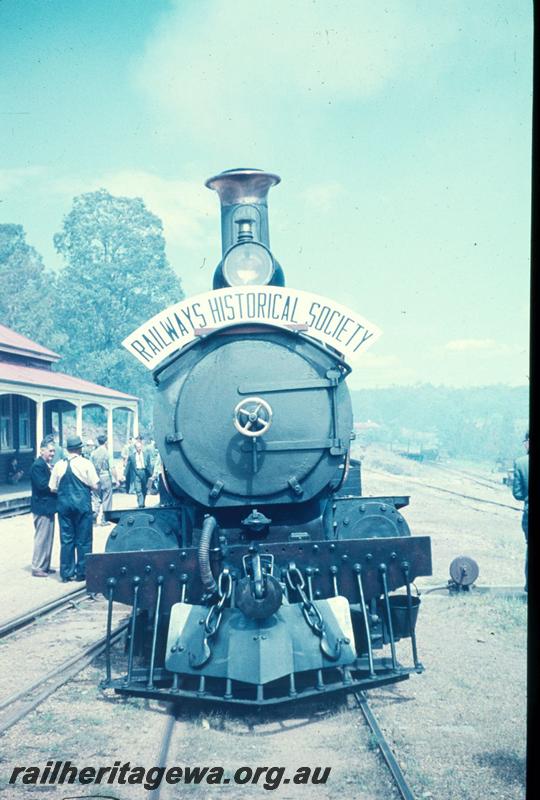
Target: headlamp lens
[[248, 264]]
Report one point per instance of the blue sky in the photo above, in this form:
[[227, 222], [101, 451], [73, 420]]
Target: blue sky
[[401, 131]]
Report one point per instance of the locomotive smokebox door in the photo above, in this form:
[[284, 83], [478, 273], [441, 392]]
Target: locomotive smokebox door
[[264, 417]]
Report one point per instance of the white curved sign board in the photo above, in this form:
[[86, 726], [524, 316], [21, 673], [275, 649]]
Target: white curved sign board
[[317, 316]]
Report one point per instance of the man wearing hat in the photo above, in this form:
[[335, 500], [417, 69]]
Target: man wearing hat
[[73, 479], [520, 490]]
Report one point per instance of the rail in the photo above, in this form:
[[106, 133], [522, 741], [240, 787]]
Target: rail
[[425, 485], [21, 703], [16, 623], [165, 744], [399, 778]]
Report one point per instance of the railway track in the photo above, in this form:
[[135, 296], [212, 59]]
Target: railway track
[[23, 620], [490, 483], [19, 704], [400, 782], [420, 482], [405, 791], [22, 702]]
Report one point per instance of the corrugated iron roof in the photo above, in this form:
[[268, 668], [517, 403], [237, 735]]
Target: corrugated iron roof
[[35, 377], [13, 342]]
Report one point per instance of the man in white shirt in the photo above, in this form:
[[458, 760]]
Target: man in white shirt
[[73, 479]]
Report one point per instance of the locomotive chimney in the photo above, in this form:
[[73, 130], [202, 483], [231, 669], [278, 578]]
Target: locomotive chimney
[[246, 256], [243, 193]]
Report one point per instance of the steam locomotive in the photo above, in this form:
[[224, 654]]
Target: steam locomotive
[[264, 575]]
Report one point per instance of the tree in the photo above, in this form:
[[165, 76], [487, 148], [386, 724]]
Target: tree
[[116, 276], [27, 298]]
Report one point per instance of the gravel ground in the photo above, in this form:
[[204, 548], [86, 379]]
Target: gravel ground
[[49, 641], [458, 730], [490, 532]]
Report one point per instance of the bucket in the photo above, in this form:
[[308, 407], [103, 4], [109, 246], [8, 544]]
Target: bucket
[[400, 614]]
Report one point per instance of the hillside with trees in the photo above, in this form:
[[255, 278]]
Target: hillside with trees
[[485, 422]]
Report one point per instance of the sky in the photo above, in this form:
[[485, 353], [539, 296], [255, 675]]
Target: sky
[[401, 131]]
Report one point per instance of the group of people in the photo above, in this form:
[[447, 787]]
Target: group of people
[[78, 487]]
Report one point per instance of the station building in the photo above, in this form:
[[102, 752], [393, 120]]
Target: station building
[[36, 400]]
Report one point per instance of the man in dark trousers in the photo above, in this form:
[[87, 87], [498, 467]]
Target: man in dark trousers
[[73, 479], [138, 471], [43, 507], [520, 490]]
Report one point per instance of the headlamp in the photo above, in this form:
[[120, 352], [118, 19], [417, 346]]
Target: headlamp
[[248, 263]]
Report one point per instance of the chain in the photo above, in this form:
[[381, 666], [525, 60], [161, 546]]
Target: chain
[[213, 618], [311, 613]]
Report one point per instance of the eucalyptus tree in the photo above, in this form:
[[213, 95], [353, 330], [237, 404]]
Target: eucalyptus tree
[[116, 275], [28, 290]]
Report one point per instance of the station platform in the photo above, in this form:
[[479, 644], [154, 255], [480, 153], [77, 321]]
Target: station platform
[[14, 499], [20, 592]]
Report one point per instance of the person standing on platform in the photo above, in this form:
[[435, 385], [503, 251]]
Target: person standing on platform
[[43, 507], [152, 450], [127, 450], [138, 471], [102, 461], [520, 490], [88, 448], [73, 479], [60, 453]]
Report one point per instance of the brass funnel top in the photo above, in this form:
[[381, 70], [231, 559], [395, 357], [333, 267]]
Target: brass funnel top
[[250, 186]]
